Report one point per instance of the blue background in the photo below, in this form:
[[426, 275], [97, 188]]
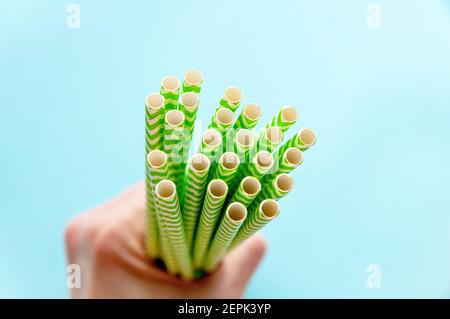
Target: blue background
[[374, 190]]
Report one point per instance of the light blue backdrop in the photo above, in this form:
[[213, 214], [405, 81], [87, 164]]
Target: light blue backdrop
[[374, 190]]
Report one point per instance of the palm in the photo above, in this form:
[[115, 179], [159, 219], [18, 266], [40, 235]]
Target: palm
[[108, 244]]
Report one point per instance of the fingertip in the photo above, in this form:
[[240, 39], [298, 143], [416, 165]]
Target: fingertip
[[258, 245]]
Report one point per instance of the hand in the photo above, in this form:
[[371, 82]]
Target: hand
[[108, 245]]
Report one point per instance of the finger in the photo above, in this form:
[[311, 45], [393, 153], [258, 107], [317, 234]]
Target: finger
[[242, 262]]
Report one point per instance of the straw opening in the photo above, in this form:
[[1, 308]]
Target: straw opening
[[212, 138], [154, 100], [156, 158], [284, 182], [217, 188], [252, 111], [244, 137], [189, 99], [165, 189], [193, 77], [269, 208], [264, 159], [237, 212], [251, 185], [294, 156], [229, 160], [274, 134], [225, 116], [174, 117], [289, 114], [307, 136], [170, 83], [200, 163], [233, 94]]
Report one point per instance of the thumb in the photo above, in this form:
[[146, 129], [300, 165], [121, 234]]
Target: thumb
[[242, 261]]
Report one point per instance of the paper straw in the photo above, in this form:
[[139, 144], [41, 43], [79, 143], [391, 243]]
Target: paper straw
[[194, 191], [265, 212], [242, 144], [154, 119], [192, 82], [166, 194], [157, 171], [279, 187], [222, 120], [285, 118], [303, 140], [154, 113], [188, 106], [269, 139], [170, 89], [211, 144], [173, 145], [151, 226], [287, 162], [249, 117], [260, 165], [248, 189], [228, 228], [231, 98], [212, 206], [227, 167]]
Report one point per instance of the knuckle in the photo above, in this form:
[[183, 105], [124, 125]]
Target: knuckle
[[81, 229], [103, 244], [73, 232]]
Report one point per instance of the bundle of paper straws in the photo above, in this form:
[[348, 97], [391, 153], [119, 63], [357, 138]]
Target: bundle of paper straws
[[200, 208]]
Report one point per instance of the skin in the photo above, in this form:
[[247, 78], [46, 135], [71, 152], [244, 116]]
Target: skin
[[107, 243]]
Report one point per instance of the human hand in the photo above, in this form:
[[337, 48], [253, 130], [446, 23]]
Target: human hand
[[108, 244]]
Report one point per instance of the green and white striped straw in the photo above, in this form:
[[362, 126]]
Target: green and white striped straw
[[265, 212], [193, 195], [279, 187], [170, 89], [248, 189], [249, 117], [285, 118], [212, 207], [151, 224], [157, 171], [189, 106], [192, 82], [260, 165], [222, 120], [154, 122], [166, 195], [269, 139], [154, 115], [227, 167], [231, 98], [229, 226], [303, 140], [285, 163], [173, 145], [211, 144], [242, 144]]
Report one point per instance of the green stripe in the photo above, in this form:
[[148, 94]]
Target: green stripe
[[194, 192], [254, 222], [242, 196], [212, 207], [173, 225], [277, 120], [225, 234]]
